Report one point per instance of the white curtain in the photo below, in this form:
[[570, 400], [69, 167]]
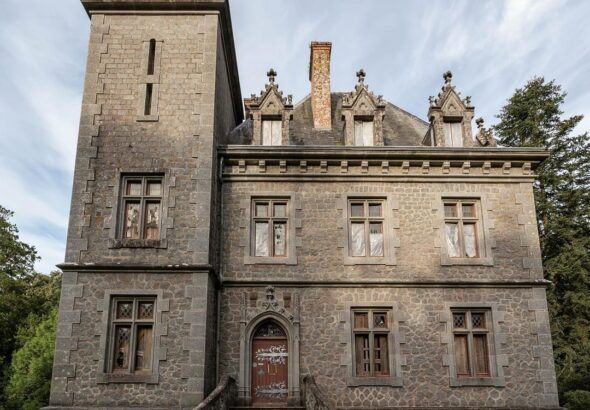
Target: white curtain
[[376, 239], [358, 239], [279, 238], [470, 243], [261, 239], [452, 237]]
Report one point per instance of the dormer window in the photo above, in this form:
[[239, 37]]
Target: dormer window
[[453, 133], [271, 131], [363, 132]]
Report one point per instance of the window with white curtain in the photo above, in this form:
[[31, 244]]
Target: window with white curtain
[[271, 132], [453, 132], [366, 219], [462, 226], [363, 133]]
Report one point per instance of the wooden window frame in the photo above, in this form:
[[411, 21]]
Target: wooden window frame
[[133, 323], [470, 332], [460, 220], [271, 220], [143, 200], [371, 331]]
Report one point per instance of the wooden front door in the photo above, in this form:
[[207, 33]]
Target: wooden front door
[[270, 360]]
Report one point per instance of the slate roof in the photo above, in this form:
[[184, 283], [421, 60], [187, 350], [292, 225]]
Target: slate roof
[[400, 128]]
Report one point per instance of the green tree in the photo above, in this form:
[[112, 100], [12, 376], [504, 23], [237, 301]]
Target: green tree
[[30, 372], [532, 117]]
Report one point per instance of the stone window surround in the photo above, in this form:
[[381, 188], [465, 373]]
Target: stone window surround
[[116, 220], [498, 360], [145, 79], [103, 376], [390, 223], [486, 242], [294, 223], [395, 339]]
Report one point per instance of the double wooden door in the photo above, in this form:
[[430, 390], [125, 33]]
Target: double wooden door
[[270, 361]]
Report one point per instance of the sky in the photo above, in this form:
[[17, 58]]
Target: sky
[[491, 46]]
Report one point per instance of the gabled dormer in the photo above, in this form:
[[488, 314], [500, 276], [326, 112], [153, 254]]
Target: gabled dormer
[[270, 114], [363, 113], [450, 117]]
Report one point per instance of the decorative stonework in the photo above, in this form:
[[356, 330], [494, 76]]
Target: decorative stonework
[[272, 306], [269, 105], [363, 104], [484, 136]]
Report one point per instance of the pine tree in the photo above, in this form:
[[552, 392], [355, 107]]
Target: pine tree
[[532, 117]]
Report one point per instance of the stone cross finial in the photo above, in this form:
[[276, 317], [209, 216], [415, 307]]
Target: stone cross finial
[[467, 100], [271, 75], [361, 76], [479, 122], [448, 76]]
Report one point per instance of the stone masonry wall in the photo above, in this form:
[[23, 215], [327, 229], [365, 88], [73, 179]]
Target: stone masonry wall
[[522, 333]]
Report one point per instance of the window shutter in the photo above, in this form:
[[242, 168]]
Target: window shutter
[[461, 355], [276, 132], [457, 133], [266, 132], [480, 344], [358, 133], [367, 133], [447, 134]]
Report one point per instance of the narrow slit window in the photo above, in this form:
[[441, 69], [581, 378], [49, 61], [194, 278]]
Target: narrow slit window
[[148, 99], [151, 57]]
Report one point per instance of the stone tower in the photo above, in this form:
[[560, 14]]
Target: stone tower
[[138, 313]]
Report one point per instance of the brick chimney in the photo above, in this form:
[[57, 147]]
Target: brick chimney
[[319, 75]]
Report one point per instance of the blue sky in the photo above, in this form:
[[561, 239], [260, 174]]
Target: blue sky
[[491, 46]]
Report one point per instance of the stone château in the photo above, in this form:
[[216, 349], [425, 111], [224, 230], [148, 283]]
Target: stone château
[[336, 252]]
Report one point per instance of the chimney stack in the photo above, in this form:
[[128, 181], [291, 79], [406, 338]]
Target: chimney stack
[[319, 75]]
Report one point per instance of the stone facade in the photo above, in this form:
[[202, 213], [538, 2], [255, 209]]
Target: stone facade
[[162, 100]]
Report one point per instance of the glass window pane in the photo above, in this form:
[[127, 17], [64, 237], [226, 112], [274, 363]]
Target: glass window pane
[[375, 210], [450, 210], [124, 310], [470, 240], [143, 352], [121, 348], [368, 133], [461, 355], [380, 320], [478, 320], [357, 239], [480, 345], [145, 310], [133, 188], [376, 238], [154, 188], [152, 220], [279, 239], [358, 133], [261, 239], [131, 221], [459, 321], [468, 210], [262, 210], [276, 132], [452, 239], [361, 320], [357, 210], [280, 210]]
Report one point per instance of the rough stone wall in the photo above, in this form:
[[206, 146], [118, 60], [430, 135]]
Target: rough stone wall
[[319, 75], [324, 339], [416, 231], [181, 331], [180, 143]]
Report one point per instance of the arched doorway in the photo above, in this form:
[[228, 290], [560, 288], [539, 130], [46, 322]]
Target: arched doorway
[[270, 364]]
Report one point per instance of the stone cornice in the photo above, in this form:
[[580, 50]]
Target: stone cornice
[[133, 268], [388, 283]]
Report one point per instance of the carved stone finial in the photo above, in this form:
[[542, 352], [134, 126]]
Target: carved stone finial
[[289, 99], [479, 122], [448, 76], [361, 76], [432, 101], [271, 75], [467, 100]]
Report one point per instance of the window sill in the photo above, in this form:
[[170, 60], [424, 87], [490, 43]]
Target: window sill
[[104, 378], [147, 118], [269, 260], [374, 381], [138, 243], [447, 261], [478, 381], [367, 260]]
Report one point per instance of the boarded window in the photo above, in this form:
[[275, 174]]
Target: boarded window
[[371, 342], [471, 337], [462, 228], [141, 204], [132, 331], [272, 132], [270, 226], [453, 133], [366, 222], [363, 133]]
